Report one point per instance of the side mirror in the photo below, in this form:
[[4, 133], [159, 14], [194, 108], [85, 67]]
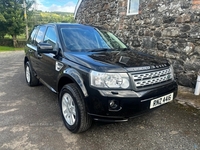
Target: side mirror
[[45, 48]]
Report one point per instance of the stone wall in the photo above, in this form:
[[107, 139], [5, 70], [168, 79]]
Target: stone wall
[[168, 29]]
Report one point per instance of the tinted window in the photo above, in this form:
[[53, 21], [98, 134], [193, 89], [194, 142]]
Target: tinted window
[[50, 36], [32, 35], [40, 34], [87, 38]]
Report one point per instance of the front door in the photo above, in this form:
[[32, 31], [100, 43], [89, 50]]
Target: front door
[[48, 61]]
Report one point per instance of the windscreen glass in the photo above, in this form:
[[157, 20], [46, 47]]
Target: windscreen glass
[[89, 39]]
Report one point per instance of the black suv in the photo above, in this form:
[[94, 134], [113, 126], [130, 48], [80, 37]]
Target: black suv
[[96, 76]]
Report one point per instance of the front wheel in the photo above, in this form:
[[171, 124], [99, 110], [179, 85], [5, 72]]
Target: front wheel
[[73, 109]]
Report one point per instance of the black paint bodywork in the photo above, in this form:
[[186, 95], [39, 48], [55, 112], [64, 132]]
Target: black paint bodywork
[[78, 65]]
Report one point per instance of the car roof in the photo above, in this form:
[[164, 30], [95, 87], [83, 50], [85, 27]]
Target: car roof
[[65, 24], [69, 24]]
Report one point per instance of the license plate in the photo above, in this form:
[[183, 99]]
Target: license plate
[[161, 100]]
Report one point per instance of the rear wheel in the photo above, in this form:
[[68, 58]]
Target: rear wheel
[[73, 109], [31, 80]]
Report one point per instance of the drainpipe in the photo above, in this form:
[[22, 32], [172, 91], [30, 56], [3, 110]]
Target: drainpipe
[[197, 89]]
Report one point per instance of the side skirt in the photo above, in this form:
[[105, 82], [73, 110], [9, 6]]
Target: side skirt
[[42, 81]]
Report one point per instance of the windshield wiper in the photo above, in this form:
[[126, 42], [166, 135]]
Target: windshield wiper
[[100, 50]]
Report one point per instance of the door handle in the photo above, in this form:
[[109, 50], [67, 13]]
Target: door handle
[[38, 55]]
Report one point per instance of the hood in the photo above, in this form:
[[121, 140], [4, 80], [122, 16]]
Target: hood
[[119, 59], [128, 58]]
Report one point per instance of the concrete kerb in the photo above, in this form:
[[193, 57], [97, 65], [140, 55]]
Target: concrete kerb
[[186, 97]]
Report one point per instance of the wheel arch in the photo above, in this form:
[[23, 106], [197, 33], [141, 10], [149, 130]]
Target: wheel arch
[[25, 60], [71, 76]]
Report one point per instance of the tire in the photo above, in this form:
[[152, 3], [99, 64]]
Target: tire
[[31, 80], [73, 109]]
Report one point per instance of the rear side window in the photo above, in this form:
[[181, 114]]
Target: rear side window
[[40, 34]]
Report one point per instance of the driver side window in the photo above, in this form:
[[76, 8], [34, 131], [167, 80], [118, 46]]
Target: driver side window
[[50, 36]]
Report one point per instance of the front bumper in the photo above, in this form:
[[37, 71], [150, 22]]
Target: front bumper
[[129, 103]]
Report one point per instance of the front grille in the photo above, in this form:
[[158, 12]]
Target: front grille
[[146, 79]]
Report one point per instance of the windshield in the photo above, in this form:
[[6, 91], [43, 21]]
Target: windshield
[[89, 39]]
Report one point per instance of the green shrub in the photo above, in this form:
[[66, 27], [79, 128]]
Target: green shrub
[[9, 43]]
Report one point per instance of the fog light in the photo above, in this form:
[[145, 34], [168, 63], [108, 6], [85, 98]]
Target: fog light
[[113, 104]]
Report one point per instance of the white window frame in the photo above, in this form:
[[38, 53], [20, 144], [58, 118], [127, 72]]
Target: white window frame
[[135, 10], [77, 7]]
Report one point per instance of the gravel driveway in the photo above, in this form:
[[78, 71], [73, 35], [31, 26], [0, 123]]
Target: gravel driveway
[[31, 119]]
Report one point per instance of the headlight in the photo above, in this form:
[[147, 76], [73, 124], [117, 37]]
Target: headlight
[[109, 80], [172, 72]]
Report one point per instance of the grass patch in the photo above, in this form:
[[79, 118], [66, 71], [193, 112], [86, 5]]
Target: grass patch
[[21, 37], [6, 48]]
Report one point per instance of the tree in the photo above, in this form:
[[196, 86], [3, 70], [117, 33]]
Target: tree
[[14, 19], [39, 17], [12, 11], [2, 19], [2, 25]]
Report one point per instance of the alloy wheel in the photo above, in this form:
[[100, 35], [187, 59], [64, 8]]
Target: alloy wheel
[[68, 109], [28, 74]]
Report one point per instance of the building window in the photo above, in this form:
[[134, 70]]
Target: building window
[[133, 7]]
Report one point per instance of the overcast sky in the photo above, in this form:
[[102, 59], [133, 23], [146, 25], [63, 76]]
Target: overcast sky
[[56, 5]]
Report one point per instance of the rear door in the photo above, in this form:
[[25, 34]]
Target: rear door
[[30, 47], [35, 57]]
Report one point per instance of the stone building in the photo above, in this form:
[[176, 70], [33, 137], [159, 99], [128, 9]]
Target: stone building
[[167, 28]]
